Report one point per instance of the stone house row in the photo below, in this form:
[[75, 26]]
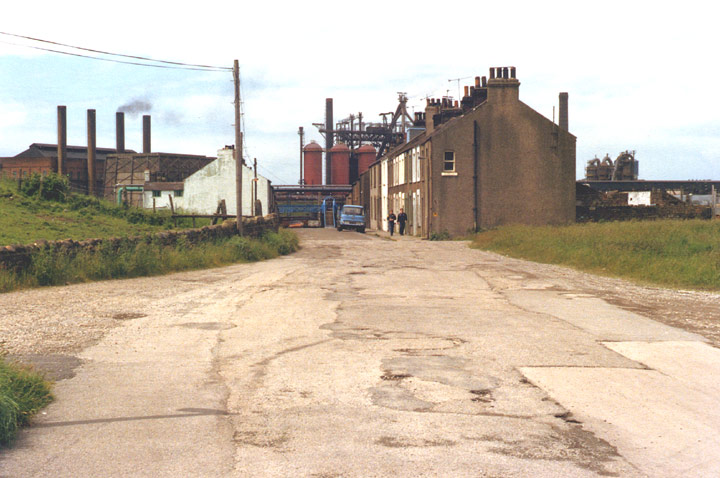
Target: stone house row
[[485, 161]]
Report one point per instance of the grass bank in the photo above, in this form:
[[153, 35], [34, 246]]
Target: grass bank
[[146, 259], [44, 208], [670, 253], [22, 393]]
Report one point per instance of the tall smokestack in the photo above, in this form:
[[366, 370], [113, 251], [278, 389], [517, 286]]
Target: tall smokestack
[[120, 132], [329, 138], [62, 140], [146, 134], [91, 152], [563, 120]]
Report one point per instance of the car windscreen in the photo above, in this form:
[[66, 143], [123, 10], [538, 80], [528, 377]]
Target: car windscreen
[[352, 210]]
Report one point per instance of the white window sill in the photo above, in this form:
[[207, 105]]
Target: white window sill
[[449, 173]]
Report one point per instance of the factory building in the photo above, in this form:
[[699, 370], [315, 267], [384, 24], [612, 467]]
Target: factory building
[[41, 158], [201, 191], [486, 161]]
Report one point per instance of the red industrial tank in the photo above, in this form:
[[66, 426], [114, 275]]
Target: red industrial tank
[[366, 156], [340, 167], [312, 163]]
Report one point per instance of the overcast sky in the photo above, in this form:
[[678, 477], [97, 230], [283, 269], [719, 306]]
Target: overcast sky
[[641, 76]]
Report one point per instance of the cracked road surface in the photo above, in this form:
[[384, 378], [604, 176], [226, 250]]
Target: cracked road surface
[[362, 357]]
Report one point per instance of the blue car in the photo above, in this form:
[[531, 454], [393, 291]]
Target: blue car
[[351, 217]]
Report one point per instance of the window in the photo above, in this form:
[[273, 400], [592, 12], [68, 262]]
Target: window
[[156, 194], [178, 193], [449, 163]]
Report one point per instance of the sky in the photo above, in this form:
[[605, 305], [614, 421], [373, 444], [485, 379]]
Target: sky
[[641, 76]]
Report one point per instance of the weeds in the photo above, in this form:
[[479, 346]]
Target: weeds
[[108, 261], [23, 393], [672, 253]]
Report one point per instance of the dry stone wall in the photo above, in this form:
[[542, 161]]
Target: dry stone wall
[[19, 257]]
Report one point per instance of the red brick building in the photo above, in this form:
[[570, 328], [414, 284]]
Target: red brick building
[[42, 158]]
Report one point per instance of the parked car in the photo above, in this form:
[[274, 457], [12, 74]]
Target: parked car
[[351, 216]]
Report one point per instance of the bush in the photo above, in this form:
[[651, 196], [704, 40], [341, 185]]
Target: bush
[[23, 393], [51, 187]]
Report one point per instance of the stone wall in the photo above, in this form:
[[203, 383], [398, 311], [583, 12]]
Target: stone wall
[[19, 257]]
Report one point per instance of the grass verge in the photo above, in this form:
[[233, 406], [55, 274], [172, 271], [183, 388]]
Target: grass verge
[[145, 259], [23, 393], [669, 253]]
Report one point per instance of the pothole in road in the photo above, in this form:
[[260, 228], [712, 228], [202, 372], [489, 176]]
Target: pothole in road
[[207, 325], [128, 315], [394, 376], [482, 395]]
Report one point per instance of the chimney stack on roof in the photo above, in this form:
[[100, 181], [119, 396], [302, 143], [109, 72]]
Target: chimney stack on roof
[[563, 119], [503, 85]]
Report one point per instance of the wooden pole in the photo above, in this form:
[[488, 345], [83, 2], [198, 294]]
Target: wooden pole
[[238, 149]]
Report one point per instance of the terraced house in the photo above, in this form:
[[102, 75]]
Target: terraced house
[[485, 161]]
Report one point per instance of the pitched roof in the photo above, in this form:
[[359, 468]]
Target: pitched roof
[[36, 150]]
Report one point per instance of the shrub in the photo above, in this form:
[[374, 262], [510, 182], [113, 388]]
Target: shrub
[[51, 187], [440, 236]]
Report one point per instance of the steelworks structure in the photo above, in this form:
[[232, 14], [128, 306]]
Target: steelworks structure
[[353, 132]]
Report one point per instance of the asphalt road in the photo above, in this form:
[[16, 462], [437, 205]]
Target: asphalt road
[[358, 357]]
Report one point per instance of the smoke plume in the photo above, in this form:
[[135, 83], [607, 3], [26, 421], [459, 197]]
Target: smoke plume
[[136, 107]]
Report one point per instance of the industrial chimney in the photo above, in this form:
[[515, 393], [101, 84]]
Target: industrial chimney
[[62, 140], [146, 134], [329, 139], [120, 132], [91, 152]]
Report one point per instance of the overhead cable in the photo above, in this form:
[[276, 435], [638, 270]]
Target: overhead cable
[[177, 65]]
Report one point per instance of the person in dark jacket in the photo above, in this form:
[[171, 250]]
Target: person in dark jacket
[[391, 222], [401, 219]]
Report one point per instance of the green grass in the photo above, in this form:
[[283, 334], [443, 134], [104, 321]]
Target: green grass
[[670, 253], [23, 393], [145, 259], [26, 218]]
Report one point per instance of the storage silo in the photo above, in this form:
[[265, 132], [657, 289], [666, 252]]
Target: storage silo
[[312, 163], [366, 156], [340, 168]]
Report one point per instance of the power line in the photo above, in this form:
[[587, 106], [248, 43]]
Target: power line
[[177, 65]]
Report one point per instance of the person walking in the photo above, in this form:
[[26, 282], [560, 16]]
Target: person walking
[[391, 222], [401, 219]]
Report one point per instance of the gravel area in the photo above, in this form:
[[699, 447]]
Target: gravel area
[[64, 320]]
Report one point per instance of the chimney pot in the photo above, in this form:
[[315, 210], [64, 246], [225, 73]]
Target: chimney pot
[[467, 90], [484, 82], [477, 82], [512, 72], [505, 72], [492, 73]]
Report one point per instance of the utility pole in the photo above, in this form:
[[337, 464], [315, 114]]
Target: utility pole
[[238, 149], [254, 188]]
